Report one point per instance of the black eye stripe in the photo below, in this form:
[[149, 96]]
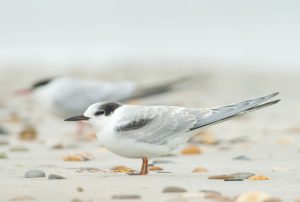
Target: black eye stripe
[[99, 112]]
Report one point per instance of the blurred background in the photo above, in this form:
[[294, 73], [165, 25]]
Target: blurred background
[[261, 35], [185, 53]]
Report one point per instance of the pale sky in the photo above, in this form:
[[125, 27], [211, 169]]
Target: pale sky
[[70, 31]]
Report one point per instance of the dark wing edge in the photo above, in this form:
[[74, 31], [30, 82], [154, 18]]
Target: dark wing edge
[[134, 125]]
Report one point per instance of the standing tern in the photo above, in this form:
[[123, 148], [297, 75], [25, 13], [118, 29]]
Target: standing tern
[[149, 131]]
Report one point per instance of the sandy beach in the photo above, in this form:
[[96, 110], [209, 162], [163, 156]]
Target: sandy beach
[[265, 143]]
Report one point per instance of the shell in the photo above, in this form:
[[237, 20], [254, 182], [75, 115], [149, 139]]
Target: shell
[[254, 196], [154, 168], [259, 177], [200, 170], [122, 169], [190, 150]]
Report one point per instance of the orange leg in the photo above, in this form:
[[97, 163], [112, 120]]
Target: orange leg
[[144, 169]]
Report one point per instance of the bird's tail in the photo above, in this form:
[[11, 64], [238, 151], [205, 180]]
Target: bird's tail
[[231, 111], [157, 89]]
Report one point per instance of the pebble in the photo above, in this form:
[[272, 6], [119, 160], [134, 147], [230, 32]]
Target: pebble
[[28, 133], [19, 149], [259, 177], [162, 162], [191, 150], [78, 157], [161, 171], [154, 168], [125, 196], [200, 170], [80, 189], [233, 176], [173, 189], [242, 157], [234, 179], [122, 169], [23, 198], [3, 155], [254, 196], [35, 174], [55, 177], [3, 131]]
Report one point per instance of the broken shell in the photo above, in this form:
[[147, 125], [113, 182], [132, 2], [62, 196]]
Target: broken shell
[[258, 177], [254, 196], [78, 157], [191, 149], [200, 170], [154, 168], [28, 133], [122, 169]]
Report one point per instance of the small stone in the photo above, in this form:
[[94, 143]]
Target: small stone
[[22, 198], [55, 177], [220, 177], [232, 176], [161, 171], [34, 174], [242, 175], [3, 131], [255, 196], [191, 150], [200, 170], [162, 162], [211, 194], [173, 189], [18, 149], [125, 196], [28, 133], [234, 179], [204, 137], [3, 155], [78, 157], [122, 169], [80, 189], [57, 146], [242, 157], [76, 200], [154, 168], [259, 177], [3, 142], [294, 130], [280, 169]]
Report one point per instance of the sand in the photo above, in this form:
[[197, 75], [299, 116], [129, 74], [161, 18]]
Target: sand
[[269, 138]]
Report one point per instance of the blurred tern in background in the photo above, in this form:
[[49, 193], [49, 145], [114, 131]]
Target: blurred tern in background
[[66, 96], [150, 131]]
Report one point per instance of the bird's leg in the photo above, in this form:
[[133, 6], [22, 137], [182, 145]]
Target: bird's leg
[[144, 169]]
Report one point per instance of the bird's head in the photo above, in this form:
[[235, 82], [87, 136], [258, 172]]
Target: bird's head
[[97, 113], [34, 86]]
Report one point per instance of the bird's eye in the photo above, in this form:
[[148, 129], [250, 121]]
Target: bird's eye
[[98, 113]]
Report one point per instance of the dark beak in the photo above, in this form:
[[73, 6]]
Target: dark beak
[[78, 118]]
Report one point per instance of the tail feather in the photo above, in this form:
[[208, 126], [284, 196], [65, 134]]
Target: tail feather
[[230, 111], [156, 89]]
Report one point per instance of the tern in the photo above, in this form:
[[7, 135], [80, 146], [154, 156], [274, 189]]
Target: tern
[[145, 132], [66, 96]]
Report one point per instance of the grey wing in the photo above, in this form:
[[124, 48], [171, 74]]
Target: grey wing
[[157, 125], [230, 111]]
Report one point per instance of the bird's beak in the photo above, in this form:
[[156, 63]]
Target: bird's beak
[[78, 118], [22, 92]]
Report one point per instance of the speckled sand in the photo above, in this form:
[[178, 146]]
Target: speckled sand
[[272, 140]]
